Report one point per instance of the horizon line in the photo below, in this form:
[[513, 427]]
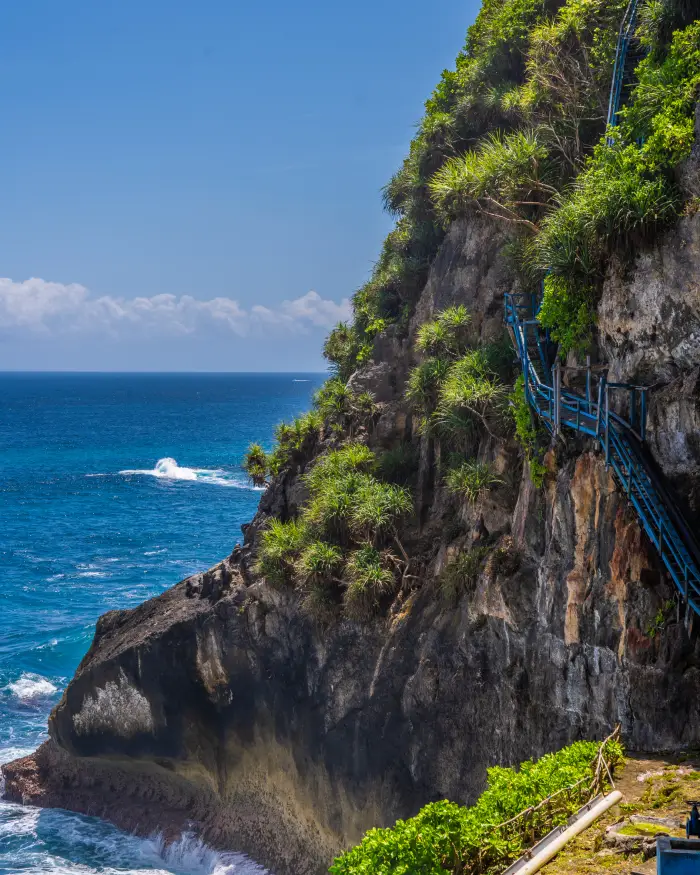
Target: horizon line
[[159, 373]]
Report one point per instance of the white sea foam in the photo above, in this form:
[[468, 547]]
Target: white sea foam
[[31, 686], [155, 552], [93, 574], [168, 469], [7, 754], [68, 844]]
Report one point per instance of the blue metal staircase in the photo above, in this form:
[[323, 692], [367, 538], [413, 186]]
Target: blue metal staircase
[[627, 56], [620, 437]]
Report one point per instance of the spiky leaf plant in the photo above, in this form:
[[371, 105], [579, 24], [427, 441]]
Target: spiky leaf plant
[[280, 545], [256, 464], [369, 575], [471, 479]]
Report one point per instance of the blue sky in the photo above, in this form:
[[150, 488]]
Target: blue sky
[[195, 185]]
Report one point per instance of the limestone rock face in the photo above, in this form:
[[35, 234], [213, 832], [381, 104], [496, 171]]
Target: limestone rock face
[[649, 333], [220, 707]]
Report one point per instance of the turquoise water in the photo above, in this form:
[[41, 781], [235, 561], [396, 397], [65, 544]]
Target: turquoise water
[[112, 488]]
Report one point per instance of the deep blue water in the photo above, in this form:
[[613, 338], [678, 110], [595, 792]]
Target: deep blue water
[[113, 487]]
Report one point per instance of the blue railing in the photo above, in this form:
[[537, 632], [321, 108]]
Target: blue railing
[[620, 70], [619, 436]]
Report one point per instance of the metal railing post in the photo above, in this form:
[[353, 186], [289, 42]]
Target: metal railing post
[[607, 426], [588, 382], [633, 405], [643, 416]]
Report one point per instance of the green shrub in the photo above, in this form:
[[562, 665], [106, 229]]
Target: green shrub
[[280, 545], [445, 838], [471, 397], [530, 434], [341, 349], [364, 407], [424, 384], [471, 479], [352, 458], [333, 400], [461, 572], [447, 335], [339, 539], [369, 576], [291, 439], [256, 464], [507, 176], [377, 507], [399, 464], [317, 563], [626, 187], [525, 429]]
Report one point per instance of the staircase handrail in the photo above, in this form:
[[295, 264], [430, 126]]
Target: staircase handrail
[[660, 518], [624, 35]]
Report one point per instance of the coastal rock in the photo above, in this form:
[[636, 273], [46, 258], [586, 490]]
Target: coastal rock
[[270, 735], [220, 707]]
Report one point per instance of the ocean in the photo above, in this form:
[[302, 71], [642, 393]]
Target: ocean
[[113, 487]]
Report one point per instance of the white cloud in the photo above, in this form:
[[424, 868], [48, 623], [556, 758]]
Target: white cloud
[[38, 306]]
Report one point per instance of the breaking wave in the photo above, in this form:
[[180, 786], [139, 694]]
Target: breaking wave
[[36, 842], [31, 686], [168, 469]]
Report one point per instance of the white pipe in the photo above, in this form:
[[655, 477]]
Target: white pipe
[[552, 848]]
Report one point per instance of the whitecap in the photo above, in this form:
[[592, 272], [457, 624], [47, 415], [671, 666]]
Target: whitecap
[[155, 552], [8, 754], [31, 686], [93, 574], [168, 469]]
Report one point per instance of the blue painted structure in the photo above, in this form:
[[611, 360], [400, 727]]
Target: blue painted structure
[[677, 856], [625, 61], [620, 437]]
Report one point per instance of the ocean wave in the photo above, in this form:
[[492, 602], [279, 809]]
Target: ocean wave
[[31, 686], [63, 843], [93, 574], [168, 469], [8, 754]]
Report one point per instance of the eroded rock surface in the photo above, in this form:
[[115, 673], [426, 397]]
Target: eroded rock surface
[[220, 707]]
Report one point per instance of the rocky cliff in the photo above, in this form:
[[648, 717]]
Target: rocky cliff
[[222, 707]]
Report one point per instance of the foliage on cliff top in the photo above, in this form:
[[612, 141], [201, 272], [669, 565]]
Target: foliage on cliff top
[[627, 186], [514, 131], [447, 838]]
